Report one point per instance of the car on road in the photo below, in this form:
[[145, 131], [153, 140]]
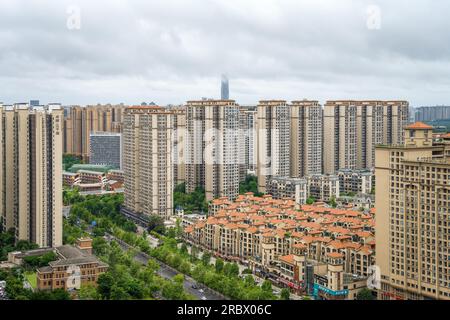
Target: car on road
[[201, 290], [194, 287], [203, 298]]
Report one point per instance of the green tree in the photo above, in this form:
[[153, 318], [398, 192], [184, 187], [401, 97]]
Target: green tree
[[267, 286], [234, 270], [171, 233], [8, 244], [105, 282], [152, 265], [219, 265], [333, 202], [310, 201], [249, 281], [285, 294], [195, 201], [185, 267], [247, 271], [88, 292], [119, 293], [194, 254], [206, 258], [100, 246], [14, 287], [365, 294], [156, 223], [173, 290], [58, 294], [184, 249], [250, 184], [33, 262], [69, 160]]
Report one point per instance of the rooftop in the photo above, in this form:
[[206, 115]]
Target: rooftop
[[70, 255], [284, 219], [419, 126]]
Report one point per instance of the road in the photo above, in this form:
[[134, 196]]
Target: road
[[168, 272], [259, 280]]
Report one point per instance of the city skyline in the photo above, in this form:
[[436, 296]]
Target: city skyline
[[282, 49], [251, 150]]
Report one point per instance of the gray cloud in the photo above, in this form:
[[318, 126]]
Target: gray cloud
[[170, 51]]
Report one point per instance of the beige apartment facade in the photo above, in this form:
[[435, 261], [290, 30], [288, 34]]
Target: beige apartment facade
[[179, 128], [81, 121], [212, 147], [306, 138], [273, 141], [31, 172], [147, 161], [413, 208], [352, 129], [247, 144]]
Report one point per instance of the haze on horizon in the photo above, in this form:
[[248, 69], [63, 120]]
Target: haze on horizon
[[170, 51]]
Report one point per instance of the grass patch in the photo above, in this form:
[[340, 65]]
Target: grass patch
[[32, 279]]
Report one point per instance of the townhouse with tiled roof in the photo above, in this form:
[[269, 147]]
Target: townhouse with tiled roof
[[264, 232]]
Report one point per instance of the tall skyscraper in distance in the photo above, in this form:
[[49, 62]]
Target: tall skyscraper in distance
[[225, 88], [147, 161], [31, 172], [34, 103], [412, 212]]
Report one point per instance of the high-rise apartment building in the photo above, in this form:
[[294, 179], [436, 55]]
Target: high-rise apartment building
[[179, 130], [352, 129], [247, 144], [31, 172], [273, 141], [212, 147], [306, 138], [147, 161], [80, 122], [412, 217], [432, 113], [106, 149]]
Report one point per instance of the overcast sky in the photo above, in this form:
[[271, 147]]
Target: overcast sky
[[170, 51]]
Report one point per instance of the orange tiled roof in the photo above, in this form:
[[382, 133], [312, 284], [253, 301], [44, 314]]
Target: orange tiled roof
[[336, 244], [365, 250], [299, 246], [364, 234], [289, 259], [419, 126]]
